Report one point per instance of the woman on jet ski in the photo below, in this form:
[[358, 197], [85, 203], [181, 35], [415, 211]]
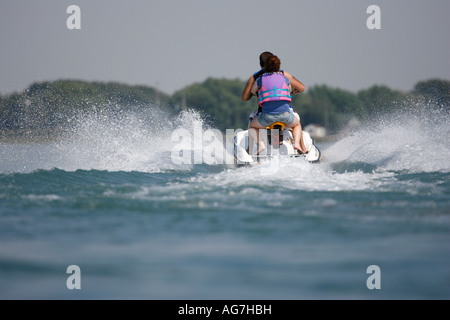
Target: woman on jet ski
[[273, 89]]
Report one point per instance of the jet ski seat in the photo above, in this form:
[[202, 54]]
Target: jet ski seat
[[277, 125]]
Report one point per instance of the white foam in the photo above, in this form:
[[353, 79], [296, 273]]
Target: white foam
[[414, 141], [107, 141]]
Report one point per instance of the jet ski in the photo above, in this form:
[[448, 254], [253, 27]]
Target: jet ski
[[279, 143]]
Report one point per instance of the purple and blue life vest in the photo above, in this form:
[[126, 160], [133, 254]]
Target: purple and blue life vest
[[273, 87]]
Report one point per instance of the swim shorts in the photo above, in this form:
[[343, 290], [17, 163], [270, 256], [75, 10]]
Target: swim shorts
[[266, 119]]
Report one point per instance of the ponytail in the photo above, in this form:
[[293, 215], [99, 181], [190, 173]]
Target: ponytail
[[273, 64]]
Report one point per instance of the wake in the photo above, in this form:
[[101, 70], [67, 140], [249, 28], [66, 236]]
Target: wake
[[106, 140], [415, 140]]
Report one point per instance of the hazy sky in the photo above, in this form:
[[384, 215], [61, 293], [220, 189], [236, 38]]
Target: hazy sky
[[170, 44]]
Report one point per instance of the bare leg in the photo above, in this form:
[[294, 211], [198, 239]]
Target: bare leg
[[255, 134], [297, 134], [252, 137], [302, 143]]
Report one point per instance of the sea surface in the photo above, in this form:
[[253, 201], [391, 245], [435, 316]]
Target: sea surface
[[113, 199]]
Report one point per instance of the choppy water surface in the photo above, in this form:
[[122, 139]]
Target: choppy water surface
[[110, 199]]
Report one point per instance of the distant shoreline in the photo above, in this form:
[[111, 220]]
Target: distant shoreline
[[46, 109]]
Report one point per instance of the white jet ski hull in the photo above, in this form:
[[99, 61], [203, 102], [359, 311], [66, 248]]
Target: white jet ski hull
[[278, 144]]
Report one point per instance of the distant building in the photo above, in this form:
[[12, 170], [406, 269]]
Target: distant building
[[316, 131]]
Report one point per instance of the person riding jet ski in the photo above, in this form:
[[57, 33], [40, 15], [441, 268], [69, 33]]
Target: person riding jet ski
[[273, 88]]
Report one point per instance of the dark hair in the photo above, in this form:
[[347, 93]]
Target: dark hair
[[272, 64], [263, 58]]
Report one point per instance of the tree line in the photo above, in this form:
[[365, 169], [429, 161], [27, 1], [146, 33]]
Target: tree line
[[46, 108], [319, 104]]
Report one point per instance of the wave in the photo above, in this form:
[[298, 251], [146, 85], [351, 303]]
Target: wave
[[413, 141], [107, 140]]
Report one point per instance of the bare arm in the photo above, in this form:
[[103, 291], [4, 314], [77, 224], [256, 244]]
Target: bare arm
[[297, 86], [247, 94]]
